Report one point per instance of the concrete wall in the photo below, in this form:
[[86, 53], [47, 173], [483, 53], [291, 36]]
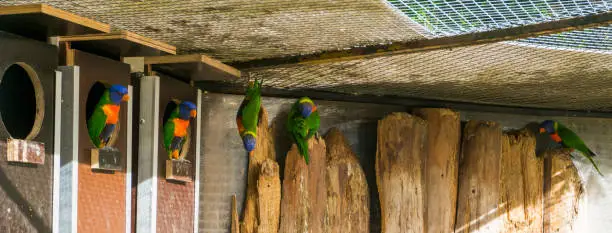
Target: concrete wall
[[224, 161]]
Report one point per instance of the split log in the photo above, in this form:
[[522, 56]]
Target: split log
[[478, 207], [564, 190], [269, 195], [444, 133], [400, 177], [348, 199], [264, 149], [235, 225], [521, 183], [304, 192]]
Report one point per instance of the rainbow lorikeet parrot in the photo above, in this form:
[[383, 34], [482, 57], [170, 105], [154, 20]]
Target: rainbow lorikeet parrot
[[568, 139], [175, 127], [303, 123], [247, 116], [105, 115]]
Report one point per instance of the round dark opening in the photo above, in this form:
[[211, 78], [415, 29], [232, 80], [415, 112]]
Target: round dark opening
[[93, 98], [18, 101], [171, 106]]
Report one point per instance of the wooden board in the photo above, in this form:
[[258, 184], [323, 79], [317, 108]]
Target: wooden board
[[563, 194], [107, 158], [264, 149], [196, 67], [116, 45], [269, 197], [400, 174], [521, 183], [348, 199], [235, 225], [23, 151], [443, 138], [179, 170], [40, 21], [478, 207], [300, 210]]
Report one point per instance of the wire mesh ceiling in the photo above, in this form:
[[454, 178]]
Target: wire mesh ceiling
[[453, 17]]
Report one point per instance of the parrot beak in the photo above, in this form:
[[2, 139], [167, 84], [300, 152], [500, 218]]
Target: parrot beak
[[542, 130], [193, 113], [125, 98]]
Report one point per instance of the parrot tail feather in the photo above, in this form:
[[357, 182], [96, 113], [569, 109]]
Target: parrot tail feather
[[594, 165], [591, 153], [303, 148]]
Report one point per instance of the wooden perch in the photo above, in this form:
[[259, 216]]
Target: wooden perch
[[399, 172], [348, 199], [478, 207], [304, 192], [521, 183], [444, 133], [264, 149], [269, 195], [564, 191], [235, 226]]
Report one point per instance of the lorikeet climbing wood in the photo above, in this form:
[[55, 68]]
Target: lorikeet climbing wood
[[567, 138], [247, 116], [303, 123]]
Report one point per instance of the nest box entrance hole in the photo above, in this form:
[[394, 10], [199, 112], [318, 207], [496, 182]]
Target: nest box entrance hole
[[170, 107], [21, 101]]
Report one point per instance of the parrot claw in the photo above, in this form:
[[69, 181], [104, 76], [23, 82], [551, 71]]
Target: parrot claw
[[317, 136]]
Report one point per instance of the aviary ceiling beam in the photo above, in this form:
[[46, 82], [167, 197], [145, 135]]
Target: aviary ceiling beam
[[372, 51]]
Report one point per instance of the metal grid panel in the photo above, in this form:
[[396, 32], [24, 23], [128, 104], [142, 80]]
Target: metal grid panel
[[447, 18], [238, 30], [499, 73]]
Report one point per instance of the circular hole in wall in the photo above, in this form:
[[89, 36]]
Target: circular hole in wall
[[169, 137], [21, 101], [96, 118]]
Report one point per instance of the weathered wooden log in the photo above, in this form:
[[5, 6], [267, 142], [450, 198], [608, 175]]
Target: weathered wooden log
[[269, 197], [478, 208], [304, 190], [264, 149], [444, 133], [348, 199], [400, 177], [521, 183], [235, 225], [563, 192]]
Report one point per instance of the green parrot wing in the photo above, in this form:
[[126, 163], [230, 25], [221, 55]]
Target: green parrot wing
[[168, 133], [248, 113], [313, 122], [95, 125], [571, 140], [298, 128]]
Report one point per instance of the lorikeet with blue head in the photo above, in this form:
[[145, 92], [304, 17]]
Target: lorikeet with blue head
[[568, 139], [175, 127], [247, 116], [105, 115], [303, 123]]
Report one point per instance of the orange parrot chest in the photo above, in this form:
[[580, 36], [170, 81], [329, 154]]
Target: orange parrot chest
[[555, 137], [112, 113], [180, 127]]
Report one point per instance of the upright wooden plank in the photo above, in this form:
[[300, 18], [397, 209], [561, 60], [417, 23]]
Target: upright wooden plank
[[521, 183], [295, 203], [348, 199], [269, 197], [443, 136], [235, 225], [564, 192], [263, 150], [478, 208], [399, 172], [304, 195]]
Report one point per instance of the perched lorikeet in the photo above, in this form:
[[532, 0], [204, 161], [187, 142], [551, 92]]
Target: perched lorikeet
[[303, 123], [567, 138], [248, 116], [175, 127], [105, 115]]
